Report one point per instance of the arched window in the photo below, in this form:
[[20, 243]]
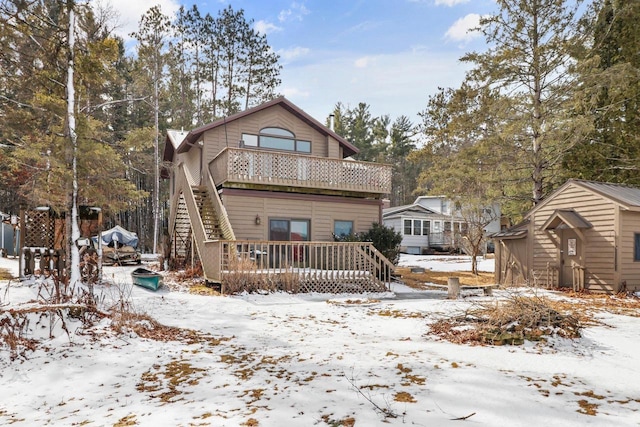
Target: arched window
[[273, 138]]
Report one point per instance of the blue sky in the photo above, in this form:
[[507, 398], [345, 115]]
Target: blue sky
[[391, 54]]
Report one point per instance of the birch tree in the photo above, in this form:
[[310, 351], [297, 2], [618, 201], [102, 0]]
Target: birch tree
[[58, 64], [74, 267]]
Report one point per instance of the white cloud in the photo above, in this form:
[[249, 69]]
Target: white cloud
[[461, 29], [450, 3], [364, 62], [130, 13], [296, 12], [265, 27], [294, 92], [395, 84], [289, 55]]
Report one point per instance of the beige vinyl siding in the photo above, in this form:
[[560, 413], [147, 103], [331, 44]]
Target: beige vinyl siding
[[334, 149], [511, 267], [599, 250], [192, 165], [229, 135], [322, 213], [629, 269]]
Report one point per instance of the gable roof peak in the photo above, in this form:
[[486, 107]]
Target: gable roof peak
[[348, 148]]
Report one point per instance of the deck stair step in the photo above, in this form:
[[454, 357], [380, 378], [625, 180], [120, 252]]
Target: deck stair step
[[207, 213]]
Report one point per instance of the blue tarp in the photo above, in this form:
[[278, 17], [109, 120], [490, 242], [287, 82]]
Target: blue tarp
[[118, 234]]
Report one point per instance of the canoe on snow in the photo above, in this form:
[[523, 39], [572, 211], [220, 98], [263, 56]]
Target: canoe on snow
[[146, 278]]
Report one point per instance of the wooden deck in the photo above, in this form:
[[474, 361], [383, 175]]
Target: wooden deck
[[247, 166], [327, 267]]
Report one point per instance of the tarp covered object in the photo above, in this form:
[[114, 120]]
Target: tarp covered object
[[119, 235]]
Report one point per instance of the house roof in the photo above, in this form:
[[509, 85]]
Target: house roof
[[348, 148], [565, 218], [406, 210], [625, 196], [172, 142], [518, 231]]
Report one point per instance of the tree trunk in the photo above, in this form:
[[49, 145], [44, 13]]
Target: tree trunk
[[74, 265]]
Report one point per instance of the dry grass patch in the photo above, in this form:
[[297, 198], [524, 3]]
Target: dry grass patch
[[173, 378], [622, 304], [405, 397], [398, 314], [408, 377], [145, 326], [354, 302], [5, 274], [345, 422], [129, 420], [587, 408], [422, 280]]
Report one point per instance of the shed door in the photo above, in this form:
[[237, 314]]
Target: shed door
[[570, 253]]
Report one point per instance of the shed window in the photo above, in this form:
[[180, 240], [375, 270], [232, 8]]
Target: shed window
[[636, 247]]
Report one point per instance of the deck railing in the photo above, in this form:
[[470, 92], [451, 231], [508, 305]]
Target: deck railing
[[284, 169], [333, 267]]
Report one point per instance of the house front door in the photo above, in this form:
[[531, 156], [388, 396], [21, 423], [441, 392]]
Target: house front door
[[570, 254]]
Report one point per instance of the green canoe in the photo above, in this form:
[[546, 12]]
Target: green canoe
[[146, 278]]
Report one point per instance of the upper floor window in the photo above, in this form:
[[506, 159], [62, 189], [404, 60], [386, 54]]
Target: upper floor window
[[276, 139]]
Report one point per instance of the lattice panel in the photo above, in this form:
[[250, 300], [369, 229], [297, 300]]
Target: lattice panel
[[182, 231], [290, 169], [39, 229], [352, 286]]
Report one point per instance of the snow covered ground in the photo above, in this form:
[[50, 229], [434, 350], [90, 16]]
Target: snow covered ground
[[313, 360]]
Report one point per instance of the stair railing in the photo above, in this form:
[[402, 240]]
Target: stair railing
[[221, 212]]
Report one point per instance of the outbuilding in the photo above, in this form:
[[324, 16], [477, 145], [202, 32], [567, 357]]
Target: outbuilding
[[584, 235]]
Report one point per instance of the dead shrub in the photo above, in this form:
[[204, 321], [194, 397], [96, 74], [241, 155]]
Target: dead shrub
[[191, 273], [13, 333], [286, 281], [511, 321], [244, 276]]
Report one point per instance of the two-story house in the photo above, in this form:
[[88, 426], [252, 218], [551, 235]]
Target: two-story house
[[432, 223], [272, 184]]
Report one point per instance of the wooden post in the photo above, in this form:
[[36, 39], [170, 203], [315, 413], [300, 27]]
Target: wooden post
[[453, 287]]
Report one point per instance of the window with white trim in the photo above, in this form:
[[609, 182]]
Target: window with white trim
[[416, 227]]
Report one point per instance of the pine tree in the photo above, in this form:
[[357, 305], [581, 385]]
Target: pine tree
[[611, 93], [529, 68], [152, 54]]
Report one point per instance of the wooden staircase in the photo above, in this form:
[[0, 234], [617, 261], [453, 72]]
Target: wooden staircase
[[181, 232], [207, 213], [182, 224]]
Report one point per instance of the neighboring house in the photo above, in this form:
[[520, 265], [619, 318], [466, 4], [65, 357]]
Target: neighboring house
[[430, 223], [273, 174], [584, 235]]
